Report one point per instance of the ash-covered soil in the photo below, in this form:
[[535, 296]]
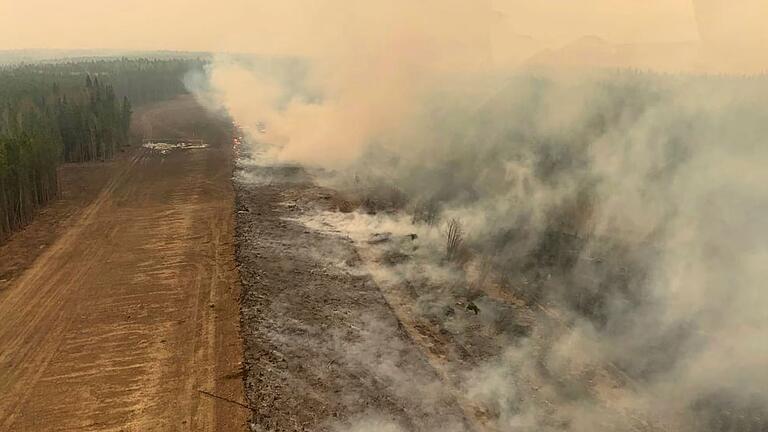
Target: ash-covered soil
[[351, 323], [323, 349]]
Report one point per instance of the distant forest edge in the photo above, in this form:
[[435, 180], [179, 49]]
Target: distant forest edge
[[70, 112]]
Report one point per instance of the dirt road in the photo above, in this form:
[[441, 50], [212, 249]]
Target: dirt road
[[126, 316]]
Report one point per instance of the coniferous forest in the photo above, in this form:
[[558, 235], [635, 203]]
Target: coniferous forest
[[69, 112]]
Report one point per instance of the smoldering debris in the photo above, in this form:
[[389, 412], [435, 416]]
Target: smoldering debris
[[593, 234], [164, 147], [607, 227], [323, 350], [470, 328], [377, 238]]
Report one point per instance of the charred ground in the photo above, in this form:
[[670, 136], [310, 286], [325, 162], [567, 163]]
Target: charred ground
[[323, 347]]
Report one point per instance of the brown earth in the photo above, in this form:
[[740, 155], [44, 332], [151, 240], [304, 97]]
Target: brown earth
[[121, 307], [80, 183]]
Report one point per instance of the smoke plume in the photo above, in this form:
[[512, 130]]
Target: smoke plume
[[630, 205]]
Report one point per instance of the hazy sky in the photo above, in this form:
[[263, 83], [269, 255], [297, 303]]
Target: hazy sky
[[299, 26], [245, 25]]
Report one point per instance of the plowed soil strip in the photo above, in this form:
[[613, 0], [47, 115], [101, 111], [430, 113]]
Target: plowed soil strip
[[120, 322]]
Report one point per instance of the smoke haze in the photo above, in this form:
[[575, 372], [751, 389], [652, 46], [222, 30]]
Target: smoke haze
[[601, 165], [631, 203]]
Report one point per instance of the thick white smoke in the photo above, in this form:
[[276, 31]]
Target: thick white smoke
[[633, 203], [658, 179]]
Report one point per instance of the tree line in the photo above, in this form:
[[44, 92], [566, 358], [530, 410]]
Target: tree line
[[68, 112]]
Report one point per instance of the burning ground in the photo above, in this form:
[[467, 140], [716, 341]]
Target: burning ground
[[562, 248], [351, 324], [322, 346], [565, 255]]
